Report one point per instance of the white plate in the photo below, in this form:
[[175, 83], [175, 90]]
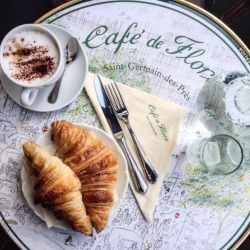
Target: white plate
[[122, 180], [72, 83]]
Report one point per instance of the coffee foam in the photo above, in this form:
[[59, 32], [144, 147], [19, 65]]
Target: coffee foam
[[30, 56]]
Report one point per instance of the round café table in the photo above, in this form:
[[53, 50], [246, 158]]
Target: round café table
[[181, 46]]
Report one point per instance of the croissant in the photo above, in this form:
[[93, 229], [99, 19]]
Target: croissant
[[57, 188], [95, 165]]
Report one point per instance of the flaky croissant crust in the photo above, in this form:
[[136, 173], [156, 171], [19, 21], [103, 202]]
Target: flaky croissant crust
[[95, 165], [57, 188]]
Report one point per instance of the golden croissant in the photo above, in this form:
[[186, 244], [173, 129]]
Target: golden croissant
[[95, 165], [57, 188]]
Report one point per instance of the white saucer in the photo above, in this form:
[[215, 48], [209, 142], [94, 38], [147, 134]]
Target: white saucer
[[72, 83], [120, 187]]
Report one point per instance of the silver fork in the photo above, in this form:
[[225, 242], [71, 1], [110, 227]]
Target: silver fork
[[123, 114]]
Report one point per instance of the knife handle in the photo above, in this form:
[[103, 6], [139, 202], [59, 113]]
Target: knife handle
[[147, 167], [137, 177]]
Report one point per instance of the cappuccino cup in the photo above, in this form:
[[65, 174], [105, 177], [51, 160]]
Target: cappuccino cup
[[31, 57]]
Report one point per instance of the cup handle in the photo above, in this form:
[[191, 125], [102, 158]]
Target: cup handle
[[28, 96]]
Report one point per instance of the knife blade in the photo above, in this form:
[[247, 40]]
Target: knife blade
[[137, 178]]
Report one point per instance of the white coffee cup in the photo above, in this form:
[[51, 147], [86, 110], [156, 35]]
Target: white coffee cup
[[31, 57]]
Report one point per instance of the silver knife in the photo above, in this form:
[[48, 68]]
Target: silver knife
[[138, 179]]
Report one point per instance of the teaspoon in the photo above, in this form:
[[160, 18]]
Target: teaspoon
[[71, 52]]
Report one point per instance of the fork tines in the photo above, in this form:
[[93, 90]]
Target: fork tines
[[115, 96]]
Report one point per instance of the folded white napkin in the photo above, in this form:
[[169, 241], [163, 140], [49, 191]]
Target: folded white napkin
[[156, 123]]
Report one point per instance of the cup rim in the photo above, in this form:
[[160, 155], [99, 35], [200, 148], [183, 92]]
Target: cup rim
[[237, 142], [56, 74]]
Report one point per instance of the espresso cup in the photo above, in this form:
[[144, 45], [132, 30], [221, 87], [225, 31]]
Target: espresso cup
[[31, 57]]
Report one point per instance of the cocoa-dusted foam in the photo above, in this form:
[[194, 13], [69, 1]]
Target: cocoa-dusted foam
[[31, 56]]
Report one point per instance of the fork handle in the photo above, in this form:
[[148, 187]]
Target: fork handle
[[137, 177], [147, 167]]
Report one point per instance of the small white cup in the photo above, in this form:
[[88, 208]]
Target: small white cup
[[31, 57]]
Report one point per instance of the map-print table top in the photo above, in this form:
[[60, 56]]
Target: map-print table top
[[169, 49]]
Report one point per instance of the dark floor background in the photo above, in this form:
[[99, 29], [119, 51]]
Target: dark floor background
[[16, 12], [241, 26]]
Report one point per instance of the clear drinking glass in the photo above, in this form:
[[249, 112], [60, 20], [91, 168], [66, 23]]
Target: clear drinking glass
[[221, 153], [223, 103]]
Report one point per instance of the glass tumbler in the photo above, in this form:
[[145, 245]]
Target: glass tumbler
[[223, 103], [221, 153]]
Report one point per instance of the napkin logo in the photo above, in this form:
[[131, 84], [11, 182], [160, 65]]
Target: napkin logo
[[156, 119]]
